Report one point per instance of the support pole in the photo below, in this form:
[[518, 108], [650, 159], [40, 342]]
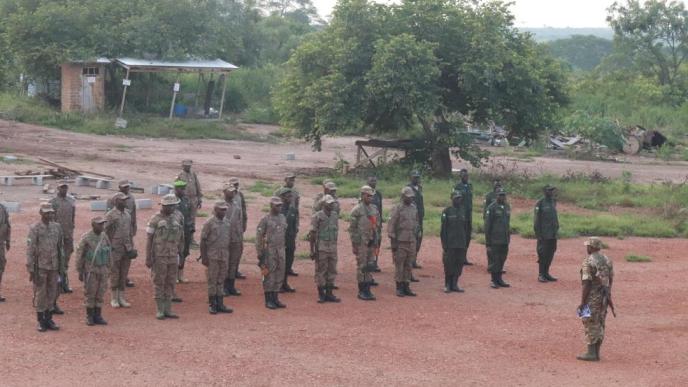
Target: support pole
[[174, 97], [124, 95], [222, 100], [198, 90]]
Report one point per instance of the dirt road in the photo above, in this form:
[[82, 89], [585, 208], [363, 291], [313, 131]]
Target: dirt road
[[526, 335]]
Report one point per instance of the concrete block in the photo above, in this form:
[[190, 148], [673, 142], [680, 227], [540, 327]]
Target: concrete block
[[144, 203], [7, 180], [99, 205], [12, 207], [37, 180], [81, 181], [162, 189], [102, 184]]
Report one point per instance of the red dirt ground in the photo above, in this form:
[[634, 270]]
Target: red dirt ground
[[526, 335]]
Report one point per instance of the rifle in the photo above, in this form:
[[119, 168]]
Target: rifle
[[608, 300], [95, 251]]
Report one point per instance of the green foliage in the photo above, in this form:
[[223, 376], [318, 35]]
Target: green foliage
[[582, 52], [264, 188], [249, 91], [598, 129], [638, 258]]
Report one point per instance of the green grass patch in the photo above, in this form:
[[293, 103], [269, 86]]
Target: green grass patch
[[638, 258], [201, 214], [264, 188], [303, 255]]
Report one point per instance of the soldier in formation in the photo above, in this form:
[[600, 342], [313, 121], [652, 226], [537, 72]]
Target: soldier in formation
[[403, 229], [329, 188], [193, 188], [65, 214], [121, 238], [323, 246], [362, 229], [294, 202], [597, 277], [491, 196], [233, 217], [164, 244], [241, 202], [270, 245], [417, 188], [5, 235], [45, 263], [377, 202], [546, 227], [454, 242], [215, 252], [93, 264], [466, 189], [124, 187], [291, 214], [186, 214], [497, 238]]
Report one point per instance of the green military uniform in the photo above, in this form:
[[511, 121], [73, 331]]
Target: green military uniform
[[193, 189], [120, 235], [325, 230], [377, 202], [420, 207], [65, 214], [215, 240], [93, 264], [466, 190], [402, 230], [546, 227], [454, 244], [291, 215], [490, 198], [185, 216], [362, 230], [234, 219], [270, 248], [5, 235], [497, 238]]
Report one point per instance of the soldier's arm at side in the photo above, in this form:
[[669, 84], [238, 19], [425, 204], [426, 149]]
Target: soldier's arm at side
[[244, 214], [80, 255], [536, 221], [443, 230], [31, 242], [488, 227], [134, 224], [260, 239]]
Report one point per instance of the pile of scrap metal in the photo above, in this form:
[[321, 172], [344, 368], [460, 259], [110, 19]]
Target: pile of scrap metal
[[559, 142], [637, 138]]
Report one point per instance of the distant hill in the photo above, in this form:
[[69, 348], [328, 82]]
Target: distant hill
[[547, 34]]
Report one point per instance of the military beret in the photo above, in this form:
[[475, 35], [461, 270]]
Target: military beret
[[179, 183], [98, 220], [169, 200]]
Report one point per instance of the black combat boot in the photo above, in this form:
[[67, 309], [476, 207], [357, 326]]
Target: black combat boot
[[364, 294], [42, 327], [494, 284], [322, 298], [400, 290], [130, 284], [541, 273], [373, 282], [376, 267], [455, 284], [447, 283], [89, 317], [239, 275], [329, 296], [233, 291], [269, 303], [415, 265], [220, 305], [212, 307], [98, 316], [407, 290], [49, 323], [286, 288], [226, 288], [548, 276], [275, 299], [65, 285], [501, 282], [414, 279], [591, 355], [369, 294], [56, 310]]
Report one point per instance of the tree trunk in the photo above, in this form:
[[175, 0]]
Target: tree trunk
[[440, 161]]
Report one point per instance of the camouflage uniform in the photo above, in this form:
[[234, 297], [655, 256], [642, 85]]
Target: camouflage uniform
[[318, 203], [240, 200], [377, 202], [166, 235], [44, 260], [326, 229], [362, 228], [235, 233], [598, 269], [186, 217], [129, 204], [270, 245], [120, 235], [93, 264], [5, 235], [546, 227], [403, 228], [65, 213], [497, 236], [215, 237], [420, 206], [291, 214], [193, 191]]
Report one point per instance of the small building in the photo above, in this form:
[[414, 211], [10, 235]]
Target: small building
[[83, 85]]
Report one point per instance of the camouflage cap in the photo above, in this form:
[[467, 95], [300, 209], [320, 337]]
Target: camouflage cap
[[275, 201], [549, 187], [326, 181], [229, 187], [328, 199], [330, 185], [120, 195], [415, 174], [283, 191], [220, 206], [408, 192], [98, 220], [62, 183], [233, 180], [169, 200], [594, 242], [456, 194], [179, 184], [290, 175], [46, 207], [124, 183], [367, 190], [187, 162]]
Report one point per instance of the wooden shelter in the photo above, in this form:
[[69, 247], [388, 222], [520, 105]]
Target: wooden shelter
[[82, 86], [382, 147]]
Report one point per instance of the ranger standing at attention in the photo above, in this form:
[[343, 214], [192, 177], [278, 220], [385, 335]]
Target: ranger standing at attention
[[294, 202], [418, 192], [270, 244], [241, 202], [453, 237], [402, 230], [125, 188], [323, 242], [193, 188], [164, 244], [546, 226], [497, 238], [466, 189], [597, 276], [44, 262], [215, 256], [362, 228], [377, 202], [233, 218], [93, 265], [187, 217], [491, 196], [65, 214], [120, 237], [291, 214], [5, 234]]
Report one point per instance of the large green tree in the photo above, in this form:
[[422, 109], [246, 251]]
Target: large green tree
[[582, 52], [424, 66]]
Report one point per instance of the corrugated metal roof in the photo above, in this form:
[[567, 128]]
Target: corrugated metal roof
[[216, 64]]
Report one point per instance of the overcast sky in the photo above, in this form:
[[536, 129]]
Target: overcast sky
[[538, 13]]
